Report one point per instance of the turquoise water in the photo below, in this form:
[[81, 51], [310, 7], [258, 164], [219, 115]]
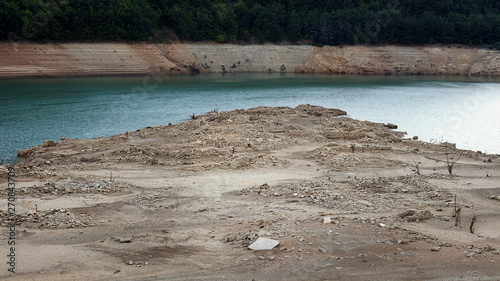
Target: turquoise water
[[463, 110]]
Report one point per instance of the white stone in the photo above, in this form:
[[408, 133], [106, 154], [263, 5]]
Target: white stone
[[327, 220], [125, 240], [263, 244]]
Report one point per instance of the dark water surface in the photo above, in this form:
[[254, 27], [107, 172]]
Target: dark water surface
[[464, 110]]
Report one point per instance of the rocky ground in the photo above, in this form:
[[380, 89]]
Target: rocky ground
[[346, 199]]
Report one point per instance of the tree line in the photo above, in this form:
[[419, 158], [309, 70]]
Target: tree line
[[327, 22]]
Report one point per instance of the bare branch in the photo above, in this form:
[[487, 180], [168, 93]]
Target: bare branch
[[451, 160], [474, 219], [416, 166], [457, 216]]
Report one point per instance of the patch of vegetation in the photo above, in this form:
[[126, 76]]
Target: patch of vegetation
[[328, 22]]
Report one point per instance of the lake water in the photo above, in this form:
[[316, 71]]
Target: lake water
[[463, 110]]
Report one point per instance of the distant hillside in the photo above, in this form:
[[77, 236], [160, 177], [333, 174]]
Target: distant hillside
[[329, 22]]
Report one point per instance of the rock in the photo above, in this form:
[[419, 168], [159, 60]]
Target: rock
[[435, 249], [471, 255], [263, 244], [24, 153], [48, 143], [391, 126], [125, 240], [424, 215], [489, 248], [407, 213], [327, 220], [262, 258], [449, 145], [130, 262], [445, 244], [415, 138]]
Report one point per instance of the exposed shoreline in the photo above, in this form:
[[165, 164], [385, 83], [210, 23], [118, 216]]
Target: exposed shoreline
[[344, 198], [31, 60]]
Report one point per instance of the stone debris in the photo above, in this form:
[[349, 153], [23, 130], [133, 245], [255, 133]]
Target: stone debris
[[352, 196], [333, 157], [152, 203], [243, 238], [253, 130], [416, 216], [263, 243], [485, 251], [71, 186], [55, 218], [413, 184], [495, 197], [323, 193], [36, 167]]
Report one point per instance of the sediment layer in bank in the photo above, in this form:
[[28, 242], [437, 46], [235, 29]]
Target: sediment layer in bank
[[106, 59]]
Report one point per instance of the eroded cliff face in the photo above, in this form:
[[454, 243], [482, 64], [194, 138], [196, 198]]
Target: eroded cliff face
[[84, 59]]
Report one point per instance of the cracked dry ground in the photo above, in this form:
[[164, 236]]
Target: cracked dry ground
[[183, 202]]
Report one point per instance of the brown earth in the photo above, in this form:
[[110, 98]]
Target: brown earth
[[183, 202], [84, 59]]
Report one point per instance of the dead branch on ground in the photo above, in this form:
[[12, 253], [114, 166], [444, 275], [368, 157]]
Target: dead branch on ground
[[474, 219]]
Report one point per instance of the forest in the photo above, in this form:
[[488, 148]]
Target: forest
[[327, 22]]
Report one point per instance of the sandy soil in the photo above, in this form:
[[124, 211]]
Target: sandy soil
[[183, 202], [21, 60]]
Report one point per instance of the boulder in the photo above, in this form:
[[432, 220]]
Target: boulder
[[391, 126]]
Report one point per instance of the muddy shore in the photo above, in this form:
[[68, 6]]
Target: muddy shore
[[346, 199], [26, 60]]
